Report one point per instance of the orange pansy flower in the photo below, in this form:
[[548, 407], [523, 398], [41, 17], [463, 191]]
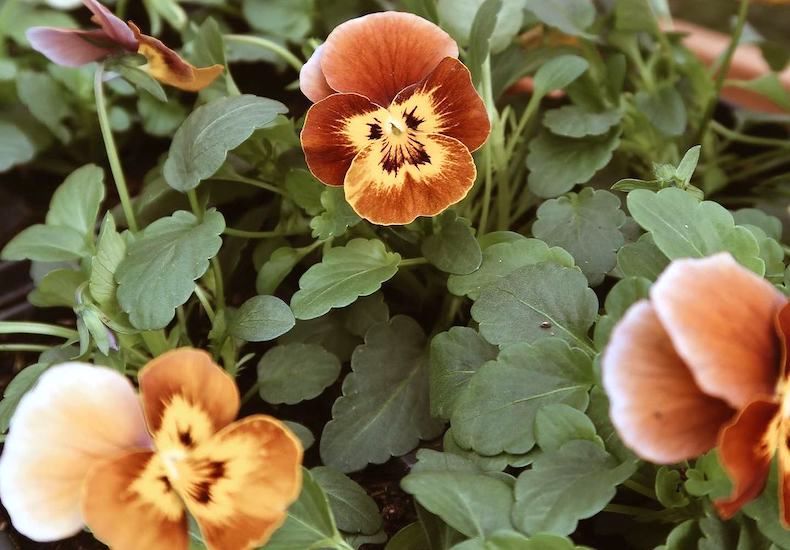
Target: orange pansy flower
[[703, 364], [74, 47], [395, 117], [83, 448]]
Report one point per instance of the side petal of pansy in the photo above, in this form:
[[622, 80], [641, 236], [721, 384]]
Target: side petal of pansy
[[446, 103], [746, 448], [113, 26], [75, 417], [69, 47], [169, 68], [187, 398], [239, 485], [311, 78], [335, 130], [656, 405], [720, 318], [129, 503], [380, 54], [394, 181]]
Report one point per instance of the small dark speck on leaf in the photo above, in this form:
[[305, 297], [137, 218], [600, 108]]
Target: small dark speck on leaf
[[545, 324]]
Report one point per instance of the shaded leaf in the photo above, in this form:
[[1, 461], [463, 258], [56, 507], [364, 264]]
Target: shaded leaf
[[295, 372]]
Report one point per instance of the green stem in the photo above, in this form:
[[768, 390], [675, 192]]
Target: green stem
[[21, 327], [412, 262], [260, 234], [627, 510], [194, 204], [219, 284], [112, 150], [722, 70], [5, 11], [204, 301], [641, 489], [256, 183], [24, 347], [252, 392], [732, 135], [266, 44], [487, 190]]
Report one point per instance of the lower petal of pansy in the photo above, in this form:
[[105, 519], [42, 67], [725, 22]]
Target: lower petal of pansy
[[402, 177], [336, 129], [746, 447], [656, 405], [238, 486], [447, 103], [169, 68], [721, 319], [75, 417], [187, 398], [129, 503]]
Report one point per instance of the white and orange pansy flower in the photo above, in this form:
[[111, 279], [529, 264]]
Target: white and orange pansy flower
[[85, 449], [75, 47], [395, 118], [704, 363]]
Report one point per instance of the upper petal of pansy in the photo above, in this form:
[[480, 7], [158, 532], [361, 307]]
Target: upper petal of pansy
[[76, 416], [238, 485], [720, 317], [187, 398], [446, 102], [746, 447], [129, 503], [113, 26], [69, 47], [169, 68], [335, 130], [656, 405], [399, 178], [380, 54], [312, 81]]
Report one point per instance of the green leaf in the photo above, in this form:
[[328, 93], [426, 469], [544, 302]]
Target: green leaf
[[291, 19], [688, 164], [16, 390], [345, 273], [768, 86], [576, 122], [682, 226], [110, 251], [456, 17], [511, 540], [160, 118], [328, 331], [635, 16], [765, 511], [337, 216], [483, 26], [557, 163], [45, 99], [302, 432], [558, 73], [669, 488], [163, 263], [384, 410], [708, 478], [309, 523], [452, 247], [140, 79], [455, 356], [208, 48], [598, 412], [411, 537], [57, 289], [354, 510], [364, 313], [572, 483], [75, 204], [202, 142], [474, 504], [664, 108], [274, 271], [305, 190], [642, 259], [295, 372], [557, 423], [752, 216], [684, 536], [500, 259], [15, 146], [588, 226], [46, 243], [496, 410], [626, 292], [570, 16], [260, 319], [495, 463], [536, 302]]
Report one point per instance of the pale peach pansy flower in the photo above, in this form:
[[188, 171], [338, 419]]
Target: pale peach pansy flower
[[84, 449], [395, 118], [75, 47], [702, 364]]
